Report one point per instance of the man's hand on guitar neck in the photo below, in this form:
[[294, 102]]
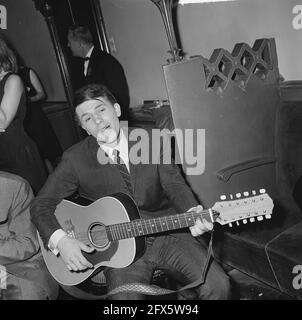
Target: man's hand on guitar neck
[[200, 226], [70, 251]]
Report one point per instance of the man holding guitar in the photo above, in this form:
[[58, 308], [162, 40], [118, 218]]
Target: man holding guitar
[[101, 165]]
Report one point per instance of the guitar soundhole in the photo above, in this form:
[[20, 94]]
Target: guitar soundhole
[[97, 235]]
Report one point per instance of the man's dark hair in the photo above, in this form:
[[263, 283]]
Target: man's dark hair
[[81, 34], [92, 91]]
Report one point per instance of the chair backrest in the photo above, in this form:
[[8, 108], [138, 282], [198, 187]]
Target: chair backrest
[[234, 97]]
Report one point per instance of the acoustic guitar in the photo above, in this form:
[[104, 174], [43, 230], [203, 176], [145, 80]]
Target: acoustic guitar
[[113, 227]]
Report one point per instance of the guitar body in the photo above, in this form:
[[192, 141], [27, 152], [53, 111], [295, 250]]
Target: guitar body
[[87, 223]]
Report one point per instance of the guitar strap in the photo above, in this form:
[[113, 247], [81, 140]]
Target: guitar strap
[[156, 290]]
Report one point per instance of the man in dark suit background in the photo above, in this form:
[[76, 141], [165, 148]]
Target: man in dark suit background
[[157, 188], [99, 66]]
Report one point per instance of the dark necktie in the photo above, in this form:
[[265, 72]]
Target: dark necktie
[[123, 170]]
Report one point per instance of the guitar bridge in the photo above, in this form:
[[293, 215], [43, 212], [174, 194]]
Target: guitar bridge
[[69, 228]]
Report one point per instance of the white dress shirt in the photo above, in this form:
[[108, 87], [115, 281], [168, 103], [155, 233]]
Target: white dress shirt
[[122, 147], [86, 63]]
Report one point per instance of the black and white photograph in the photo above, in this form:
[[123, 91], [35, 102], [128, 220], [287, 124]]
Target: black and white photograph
[[150, 150]]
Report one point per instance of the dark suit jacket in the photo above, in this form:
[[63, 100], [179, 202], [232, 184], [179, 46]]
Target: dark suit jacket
[[105, 69], [19, 247], [159, 189]]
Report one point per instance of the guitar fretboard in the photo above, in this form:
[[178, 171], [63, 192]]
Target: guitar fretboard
[[142, 227]]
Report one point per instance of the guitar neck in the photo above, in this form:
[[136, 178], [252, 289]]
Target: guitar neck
[[143, 227]]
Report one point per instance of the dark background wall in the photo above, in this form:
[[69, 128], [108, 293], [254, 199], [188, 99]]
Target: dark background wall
[[138, 38], [27, 31], [137, 31]]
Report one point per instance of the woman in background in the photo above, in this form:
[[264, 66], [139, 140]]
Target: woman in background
[[36, 123], [18, 153]]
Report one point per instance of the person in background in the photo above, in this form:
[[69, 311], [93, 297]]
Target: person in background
[[36, 123], [23, 274], [18, 153], [99, 66]]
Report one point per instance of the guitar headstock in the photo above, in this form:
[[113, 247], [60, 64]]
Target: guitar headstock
[[246, 206]]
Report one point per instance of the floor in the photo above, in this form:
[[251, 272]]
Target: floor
[[247, 288], [244, 288]]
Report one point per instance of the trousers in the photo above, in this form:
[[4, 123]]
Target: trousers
[[182, 257]]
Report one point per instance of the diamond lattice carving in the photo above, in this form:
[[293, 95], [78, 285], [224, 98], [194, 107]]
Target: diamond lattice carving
[[237, 67]]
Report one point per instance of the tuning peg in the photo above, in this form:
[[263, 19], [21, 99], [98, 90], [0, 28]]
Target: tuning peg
[[246, 194], [230, 225], [252, 219], [244, 221], [237, 222], [268, 216], [231, 197], [222, 197], [238, 195], [262, 191], [259, 218], [254, 192]]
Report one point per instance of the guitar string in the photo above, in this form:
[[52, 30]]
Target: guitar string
[[180, 218], [122, 230], [118, 233], [117, 236], [135, 230], [125, 226], [157, 221]]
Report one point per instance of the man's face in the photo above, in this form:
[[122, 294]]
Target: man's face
[[100, 119], [74, 45]]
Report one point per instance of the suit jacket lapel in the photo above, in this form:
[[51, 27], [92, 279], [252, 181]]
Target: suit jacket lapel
[[102, 157]]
